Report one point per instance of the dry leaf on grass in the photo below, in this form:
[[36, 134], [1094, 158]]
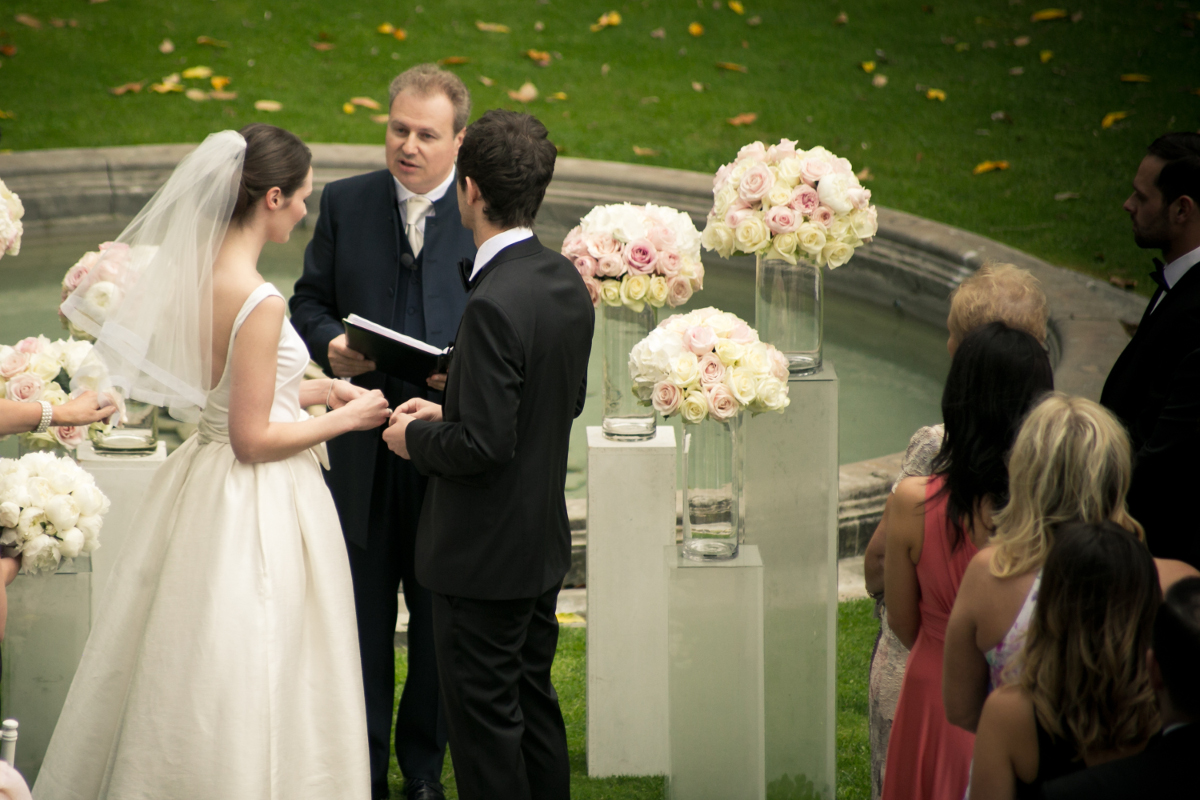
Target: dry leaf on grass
[[163, 88], [268, 105], [323, 47], [366, 102], [864, 174], [1048, 14], [606, 21], [1112, 117], [989, 166], [1066, 196], [386, 29], [557, 96], [1021, 41], [348, 108], [219, 82], [1017, 71], [962, 47], [729, 65], [696, 29], [166, 47], [1135, 77], [380, 118], [644, 151], [26, 19], [1046, 55], [841, 19], [211, 42], [9, 50], [399, 34], [486, 81], [192, 73], [754, 21], [697, 86], [219, 94], [126, 87], [526, 94], [451, 60], [742, 119], [604, 70], [1001, 116], [658, 33], [879, 81], [935, 94], [492, 27], [196, 95], [539, 57], [867, 66], [539, 26], [736, 7]]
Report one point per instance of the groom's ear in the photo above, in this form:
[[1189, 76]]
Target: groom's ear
[[472, 192]]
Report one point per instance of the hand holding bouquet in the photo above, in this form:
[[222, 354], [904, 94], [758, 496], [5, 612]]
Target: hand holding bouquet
[[39, 369]]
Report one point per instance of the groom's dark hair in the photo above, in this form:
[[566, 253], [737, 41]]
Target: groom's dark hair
[[511, 160], [1181, 174]]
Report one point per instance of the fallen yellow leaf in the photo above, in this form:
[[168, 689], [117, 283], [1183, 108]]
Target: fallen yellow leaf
[[644, 151], [450, 60], [1046, 55], [569, 618], [1047, 14], [540, 57], [211, 42], [366, 102], [171, 79], [1112, 117], [218, 94], [166, 47], [197, 72], [380, 118], [126, 87], [486, 81], [219, 82], [736, 7], [197, 95], [163, 88], [989, 166], [742, 119], [935, 94], [696, 29], [268, 105], [26, 19], [729, 65], [962, 47], [7, 115], [1134, 77], [868, 66], [526, 94], [400, 34], [347, 108], [557, 96], [606, 20], [323, 47], [386, 28], [492, 27]]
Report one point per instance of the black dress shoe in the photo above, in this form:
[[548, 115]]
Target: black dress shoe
[[423, 790]]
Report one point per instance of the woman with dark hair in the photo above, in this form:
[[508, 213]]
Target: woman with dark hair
[[934, 527], [224, 660], [1085, 695]]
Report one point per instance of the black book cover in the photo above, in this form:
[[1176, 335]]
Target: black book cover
[[398, 355]]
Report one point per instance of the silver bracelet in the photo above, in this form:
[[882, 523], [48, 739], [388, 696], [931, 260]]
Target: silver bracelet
[[329, 394], [47, 415]]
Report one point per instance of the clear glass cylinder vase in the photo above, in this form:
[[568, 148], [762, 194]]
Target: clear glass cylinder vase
[[714, 515], [137, 433], [626, 418], [789, 310]]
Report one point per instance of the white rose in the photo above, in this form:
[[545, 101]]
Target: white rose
[[742, 384], [694, 407], [811, 238], [62, 512], [780, 194], [789, 170], [839, 228], [54, 394], [73, 542], [729, 351], [722, 323], [836, 253], [756, 360], [101, 298], [73, 354], [722, 200], [40, 554], [865, 222], [10, 515], [772, 394], [752, 234], [684, 370], [833, 190], [786, 243], [718, 237]]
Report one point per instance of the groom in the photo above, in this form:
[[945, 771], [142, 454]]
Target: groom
[[494, 543], [386, 247]]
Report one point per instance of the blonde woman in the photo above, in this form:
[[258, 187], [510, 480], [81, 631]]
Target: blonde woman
[[1085, 695], [1071, 462]]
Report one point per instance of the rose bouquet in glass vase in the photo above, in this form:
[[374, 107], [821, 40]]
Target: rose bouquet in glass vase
[[796, 211], [634, 260], [11, 229], [110, 263], [709, 366]]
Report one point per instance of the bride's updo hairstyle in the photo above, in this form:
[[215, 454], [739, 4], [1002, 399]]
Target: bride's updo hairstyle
[[274, 157]]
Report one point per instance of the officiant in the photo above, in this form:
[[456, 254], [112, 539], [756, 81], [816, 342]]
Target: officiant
[[386, 247]]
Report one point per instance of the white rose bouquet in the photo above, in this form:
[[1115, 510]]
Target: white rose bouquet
[[633, 255], [11, 229], [39, 369], [708, 364], [110, 265], [50, 509], [785, 203]]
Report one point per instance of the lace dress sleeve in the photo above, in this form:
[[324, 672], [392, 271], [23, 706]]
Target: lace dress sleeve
[[922, 447]]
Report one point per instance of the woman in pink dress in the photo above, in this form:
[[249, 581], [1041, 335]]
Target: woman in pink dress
[[934, 527]]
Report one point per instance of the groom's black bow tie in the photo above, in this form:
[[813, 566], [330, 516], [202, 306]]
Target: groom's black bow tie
[[1158, 277], [465, 266]]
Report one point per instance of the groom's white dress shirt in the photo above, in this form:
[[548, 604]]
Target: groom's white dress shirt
[[488, 250]]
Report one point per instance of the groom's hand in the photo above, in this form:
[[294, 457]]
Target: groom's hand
[[418, 408], [394, 435], [347, 363]]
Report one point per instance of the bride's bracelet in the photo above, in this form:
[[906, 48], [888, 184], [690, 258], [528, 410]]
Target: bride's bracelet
[[329, 394]]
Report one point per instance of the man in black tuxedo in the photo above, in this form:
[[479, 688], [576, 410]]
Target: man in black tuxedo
[[1154, 388], [386, 247], [494, 543], [1167, 767]]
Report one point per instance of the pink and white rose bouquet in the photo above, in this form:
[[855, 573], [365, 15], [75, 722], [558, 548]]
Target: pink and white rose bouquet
[[633, 255], [11, 229], [782, 202], [50, 510], [708, 364], [105, 273], [36, 368]]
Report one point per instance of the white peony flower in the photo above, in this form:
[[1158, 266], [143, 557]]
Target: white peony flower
[[40, 554], [834, 191], [88, 498], [101, 298], [73, 542], [31, 523], [40, 491], [62, 512], [90, 525], [10, 514]]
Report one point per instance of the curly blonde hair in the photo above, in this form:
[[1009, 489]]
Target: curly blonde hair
[[1070, 462], [999, 292]]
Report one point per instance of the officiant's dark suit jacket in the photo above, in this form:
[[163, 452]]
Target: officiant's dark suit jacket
[[1154, 388], [353, 267], [494, 525]]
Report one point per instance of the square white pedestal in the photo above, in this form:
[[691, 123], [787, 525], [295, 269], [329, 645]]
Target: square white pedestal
[[124, 479], [715, 683], [631, 517]]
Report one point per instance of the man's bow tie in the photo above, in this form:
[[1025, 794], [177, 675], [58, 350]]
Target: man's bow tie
[[1158, 277], [465, 266]]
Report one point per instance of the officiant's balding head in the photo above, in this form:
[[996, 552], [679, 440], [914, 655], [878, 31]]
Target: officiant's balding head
[[427, 116]]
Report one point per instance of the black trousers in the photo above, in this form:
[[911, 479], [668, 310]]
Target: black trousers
[[378, 572], [506, 730]]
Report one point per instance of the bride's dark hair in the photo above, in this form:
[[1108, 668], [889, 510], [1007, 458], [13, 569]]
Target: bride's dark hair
[[274, 157]]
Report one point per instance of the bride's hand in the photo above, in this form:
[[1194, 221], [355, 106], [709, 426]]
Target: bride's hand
[[420, 408], [343, 392], [368, 410]]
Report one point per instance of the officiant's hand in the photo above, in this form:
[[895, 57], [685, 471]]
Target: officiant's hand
[[418, 408], [347, 363], [437, 381]]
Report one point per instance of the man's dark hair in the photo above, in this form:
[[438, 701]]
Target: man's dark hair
[[511, 161], [1177, 645], [1181, 174], [274, 157]]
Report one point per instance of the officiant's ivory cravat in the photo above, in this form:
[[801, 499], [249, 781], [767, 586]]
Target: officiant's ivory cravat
[[415, 209]]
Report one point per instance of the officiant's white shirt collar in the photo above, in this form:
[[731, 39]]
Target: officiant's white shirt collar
[[488, 250], [402, 194], [1174, 271]]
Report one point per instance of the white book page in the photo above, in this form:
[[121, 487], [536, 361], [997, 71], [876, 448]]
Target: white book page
[[366, 324]]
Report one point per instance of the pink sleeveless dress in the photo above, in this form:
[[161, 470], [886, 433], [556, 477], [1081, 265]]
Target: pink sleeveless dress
[[928, 758]]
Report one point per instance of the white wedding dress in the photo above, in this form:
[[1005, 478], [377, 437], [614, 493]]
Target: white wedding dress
[[224, 662]]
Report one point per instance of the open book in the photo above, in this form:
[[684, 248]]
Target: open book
[[398, 355]]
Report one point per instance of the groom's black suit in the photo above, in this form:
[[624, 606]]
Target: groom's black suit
[[1154, 388], [354, 265], [494, 541]]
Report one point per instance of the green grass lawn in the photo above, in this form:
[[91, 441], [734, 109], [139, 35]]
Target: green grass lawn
[[802, 79], [856, 637]]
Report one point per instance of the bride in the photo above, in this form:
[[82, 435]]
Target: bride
[[224, 661]]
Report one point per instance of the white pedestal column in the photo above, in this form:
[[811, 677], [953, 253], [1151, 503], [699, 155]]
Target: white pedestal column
[[631, 517], [715, 636], [124, 479], [791, 485]]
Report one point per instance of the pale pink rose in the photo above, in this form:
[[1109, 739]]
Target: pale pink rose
[[742, 334], [639, 256], [610, 266], [69, 436], [738, 210], [782, 219], [779, 364], [842, 166], [76, 274], [721, 177], [586, 265], [30, 344], [593, 287], [756, 183], [13, 364], [804, 199], [823, 215], [679, 291], [755, 151], [698, 279], [25, 387], [574, 245], [813, 168], [722, 405], [601, 245], [712, 371], [859, 196], [661, 236], [666, 398], [113, 258], [669, 263], [700, 339], [778, 152]]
